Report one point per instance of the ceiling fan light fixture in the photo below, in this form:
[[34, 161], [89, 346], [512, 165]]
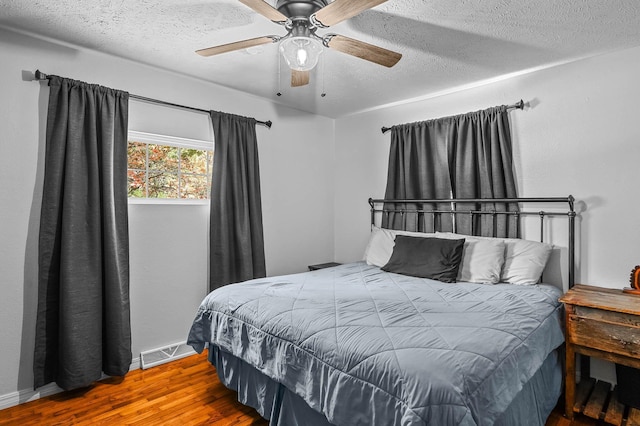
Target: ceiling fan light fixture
[[301, 53]]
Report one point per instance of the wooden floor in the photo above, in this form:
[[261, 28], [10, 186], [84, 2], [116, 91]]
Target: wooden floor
[[183, 392]]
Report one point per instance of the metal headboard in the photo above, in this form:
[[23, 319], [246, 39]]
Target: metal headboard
[[384, 207]]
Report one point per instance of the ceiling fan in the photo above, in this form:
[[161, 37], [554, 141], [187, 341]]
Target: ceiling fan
[[301, 46]]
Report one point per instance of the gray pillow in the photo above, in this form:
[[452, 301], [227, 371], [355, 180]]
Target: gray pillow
[[434, 258]]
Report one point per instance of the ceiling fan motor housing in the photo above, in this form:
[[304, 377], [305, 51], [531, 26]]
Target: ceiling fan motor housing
[[299, 9]]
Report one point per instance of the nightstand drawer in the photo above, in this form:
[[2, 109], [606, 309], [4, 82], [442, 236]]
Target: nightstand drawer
[[621, 318], [606, 331]]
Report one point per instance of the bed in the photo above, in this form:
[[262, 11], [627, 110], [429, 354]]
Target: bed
[[366, 343]]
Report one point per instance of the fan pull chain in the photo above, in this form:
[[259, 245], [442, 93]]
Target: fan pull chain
[[323, 94], [279, 77]]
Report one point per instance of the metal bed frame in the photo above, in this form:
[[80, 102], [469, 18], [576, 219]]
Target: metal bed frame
[[420, 207]]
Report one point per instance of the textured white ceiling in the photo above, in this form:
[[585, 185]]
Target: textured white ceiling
[[445, 43]]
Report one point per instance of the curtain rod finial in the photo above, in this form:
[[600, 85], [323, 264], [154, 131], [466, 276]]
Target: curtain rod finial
[[39, 75]]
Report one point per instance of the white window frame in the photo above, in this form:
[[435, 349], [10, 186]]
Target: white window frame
[[153, 138]]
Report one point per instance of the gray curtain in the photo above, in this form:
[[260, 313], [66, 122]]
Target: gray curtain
[[236, 237], [83, 322], [464, 156], [417, 169], [481, 166]]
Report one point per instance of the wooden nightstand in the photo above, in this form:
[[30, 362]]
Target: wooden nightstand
[[603, 323], [323, 265]]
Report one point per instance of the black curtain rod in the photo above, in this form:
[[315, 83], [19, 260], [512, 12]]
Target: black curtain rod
[[517, 105], [40, 76]]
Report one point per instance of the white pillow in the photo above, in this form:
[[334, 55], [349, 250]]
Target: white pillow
[[381, 243], [524, 260], [482, 259], [380, 247]]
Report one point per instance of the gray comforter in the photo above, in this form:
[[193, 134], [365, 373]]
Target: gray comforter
[[367, 347]]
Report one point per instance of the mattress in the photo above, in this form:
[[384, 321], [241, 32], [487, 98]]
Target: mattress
[[361, 346]]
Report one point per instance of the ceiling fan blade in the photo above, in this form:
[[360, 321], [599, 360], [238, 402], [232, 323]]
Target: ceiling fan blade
[[265, 9], [299, 78], [238, 45], [363, 50], [341, 10]]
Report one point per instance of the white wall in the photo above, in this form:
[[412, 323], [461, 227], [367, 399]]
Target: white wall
[[168, 243], [579, 136]]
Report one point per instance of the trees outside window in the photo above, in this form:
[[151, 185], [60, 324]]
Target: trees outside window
[[164, 167]]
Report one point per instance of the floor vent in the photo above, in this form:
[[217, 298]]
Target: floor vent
[[159, 356]]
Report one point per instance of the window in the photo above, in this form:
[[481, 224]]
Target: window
[[168, 168]]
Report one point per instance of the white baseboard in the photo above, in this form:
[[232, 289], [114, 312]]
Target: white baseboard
[[26, 395], [135, 364]]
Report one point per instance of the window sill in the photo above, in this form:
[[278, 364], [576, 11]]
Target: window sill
[[168, 202]]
